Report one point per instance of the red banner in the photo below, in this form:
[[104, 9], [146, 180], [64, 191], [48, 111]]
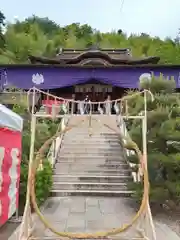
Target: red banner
[[48, 104], [10, 160]]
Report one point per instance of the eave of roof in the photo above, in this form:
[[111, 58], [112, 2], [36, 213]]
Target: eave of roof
[[150, 66], [85, 55], [97, 49]]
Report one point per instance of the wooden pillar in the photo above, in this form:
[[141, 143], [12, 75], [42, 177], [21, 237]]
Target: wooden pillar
[[73, 105]]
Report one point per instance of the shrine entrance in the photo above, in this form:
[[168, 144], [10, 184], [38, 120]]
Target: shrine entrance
[[95, 90]]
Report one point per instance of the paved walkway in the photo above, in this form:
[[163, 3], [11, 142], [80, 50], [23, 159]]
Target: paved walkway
[[7, 230], [91, 214]]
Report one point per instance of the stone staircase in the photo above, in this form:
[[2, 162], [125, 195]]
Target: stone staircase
[[91, 165]]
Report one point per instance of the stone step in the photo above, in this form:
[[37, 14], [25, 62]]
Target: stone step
[[85, 155], [101, 141], [95, 147], [87, 137], [91, 165], [101, 159], [84, 150], [79, 171], [94, 124], [92, 178], [118, 161], [90, 158], [89, 186], [95, 132], [92, 144], [73, 138], [108, 193], [89, 142]]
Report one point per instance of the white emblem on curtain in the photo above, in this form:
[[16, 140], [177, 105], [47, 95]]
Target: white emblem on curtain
[[145, 76], [37, 79]]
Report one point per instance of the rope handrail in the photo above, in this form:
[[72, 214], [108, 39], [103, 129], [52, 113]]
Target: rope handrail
[[91, 102]]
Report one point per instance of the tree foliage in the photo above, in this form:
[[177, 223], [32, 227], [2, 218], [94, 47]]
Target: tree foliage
[[2, 24], [163, 137], [42, 36], [44, 130]]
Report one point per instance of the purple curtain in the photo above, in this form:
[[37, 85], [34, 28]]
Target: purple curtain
[[53, 77]]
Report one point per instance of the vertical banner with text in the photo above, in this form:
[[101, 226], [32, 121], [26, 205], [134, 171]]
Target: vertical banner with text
[[10, 160]]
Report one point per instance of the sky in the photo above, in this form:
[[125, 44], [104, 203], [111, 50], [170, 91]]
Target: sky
[[155, 17]]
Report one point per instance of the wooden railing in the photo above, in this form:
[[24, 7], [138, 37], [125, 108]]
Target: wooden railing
[[56, 144], [124, 133]]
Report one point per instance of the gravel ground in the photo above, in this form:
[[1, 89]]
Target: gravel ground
[[172, 220]]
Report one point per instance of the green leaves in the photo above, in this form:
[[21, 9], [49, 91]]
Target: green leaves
[[159, 84], [163, 136], [42, 36], [43, 182], [44, 130], [2, 24]]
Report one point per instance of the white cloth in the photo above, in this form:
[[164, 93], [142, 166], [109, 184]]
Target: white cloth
[[108, 107], [10, 119]]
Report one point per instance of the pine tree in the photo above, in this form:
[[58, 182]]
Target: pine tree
[[163, 137]]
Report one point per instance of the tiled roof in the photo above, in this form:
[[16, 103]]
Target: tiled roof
[[110, 56]]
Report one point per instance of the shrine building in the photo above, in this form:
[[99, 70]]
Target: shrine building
[[75, 73], [95, 72]]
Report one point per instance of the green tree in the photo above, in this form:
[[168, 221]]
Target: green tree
[[46, 25], [163, 137], [42, 36], [2, 24]]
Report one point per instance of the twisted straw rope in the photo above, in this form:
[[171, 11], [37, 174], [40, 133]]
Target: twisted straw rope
[[32, 90]]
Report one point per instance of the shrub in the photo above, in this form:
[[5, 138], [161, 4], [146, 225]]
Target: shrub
[[163, 137], [44, 130], [43, 182]]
